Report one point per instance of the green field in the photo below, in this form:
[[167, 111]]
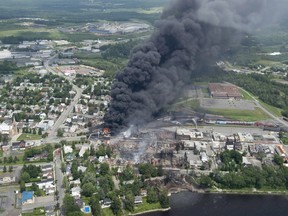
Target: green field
[[276, 111], [241, 115], [26, 136]]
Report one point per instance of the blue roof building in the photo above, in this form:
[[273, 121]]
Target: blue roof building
[[27, 197]]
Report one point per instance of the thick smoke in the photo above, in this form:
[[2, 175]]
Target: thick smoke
[[189, 34]]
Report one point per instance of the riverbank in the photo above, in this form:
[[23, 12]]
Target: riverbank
[[247, 191], [150, 211]]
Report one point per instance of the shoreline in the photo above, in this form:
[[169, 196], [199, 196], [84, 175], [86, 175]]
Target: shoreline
[[231, 191], [149, 211], [221, 191]]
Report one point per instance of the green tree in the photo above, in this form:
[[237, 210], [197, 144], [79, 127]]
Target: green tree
[[95, 205], [164, 199], [116, 206], [129, 202], [60, 132], [4, 169], [10, 159], [69, 206], [152, 196], [22, 186], [25, 177], [205, 181], [40, 131], [104, 169], [278, 160], [88, 189]]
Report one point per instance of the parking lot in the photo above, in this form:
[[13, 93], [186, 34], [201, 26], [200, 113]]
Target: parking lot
[[227, 104], [7, 201]]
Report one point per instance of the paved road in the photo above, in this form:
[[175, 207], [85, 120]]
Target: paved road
[[69, 109], [59, 178]]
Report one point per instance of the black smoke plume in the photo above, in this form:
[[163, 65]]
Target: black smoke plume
[[189, 35]]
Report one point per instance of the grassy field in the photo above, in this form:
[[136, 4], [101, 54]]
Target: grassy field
[[276, 111], [107, 212], [241, 115], [36, 212], [146, 206], [25, 136], [245, 95]]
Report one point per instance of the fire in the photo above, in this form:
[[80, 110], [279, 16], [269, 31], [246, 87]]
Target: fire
[[106, 130]]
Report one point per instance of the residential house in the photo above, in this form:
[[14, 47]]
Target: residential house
[[19, 145], [138, 200], [82, 169], [76, 191], [83, 149], [76, 182], [47, 183], [68, 149], [48, 174], [47, 167]]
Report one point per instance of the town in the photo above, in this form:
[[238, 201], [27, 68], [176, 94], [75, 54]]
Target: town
[[224, 129], [55, 151]]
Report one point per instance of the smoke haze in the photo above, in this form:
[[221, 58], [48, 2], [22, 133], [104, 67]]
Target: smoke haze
[[190, 34]]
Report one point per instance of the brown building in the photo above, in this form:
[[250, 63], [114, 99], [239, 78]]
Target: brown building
[[224, 91]]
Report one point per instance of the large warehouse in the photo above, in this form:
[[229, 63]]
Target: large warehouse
[[224, 91]]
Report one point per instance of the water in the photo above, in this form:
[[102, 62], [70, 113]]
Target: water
[[187, 203]]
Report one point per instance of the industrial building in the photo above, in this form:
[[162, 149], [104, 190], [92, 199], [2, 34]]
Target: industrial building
[[224, 91]]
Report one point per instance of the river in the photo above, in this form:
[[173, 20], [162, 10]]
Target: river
[[193, 204]]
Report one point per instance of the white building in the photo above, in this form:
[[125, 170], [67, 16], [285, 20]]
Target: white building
[[5, 129], [7, 178], [67, 149], [83, 149], [45, 124], [76, 191]]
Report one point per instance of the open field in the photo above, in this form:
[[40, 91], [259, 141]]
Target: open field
[[25, 136], [241, 115]]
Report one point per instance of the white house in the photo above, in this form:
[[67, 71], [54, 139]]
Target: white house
[[67, 149], [76, 191], [5, 129], [83, 149], [45, 184]]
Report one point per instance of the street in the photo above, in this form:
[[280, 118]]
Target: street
[[69, 109], [59, 177]]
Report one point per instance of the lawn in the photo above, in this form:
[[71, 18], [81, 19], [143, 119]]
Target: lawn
[[36, 212], [27, 136], [245, 95], [241, 115], [146, 206], [107, 212]]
